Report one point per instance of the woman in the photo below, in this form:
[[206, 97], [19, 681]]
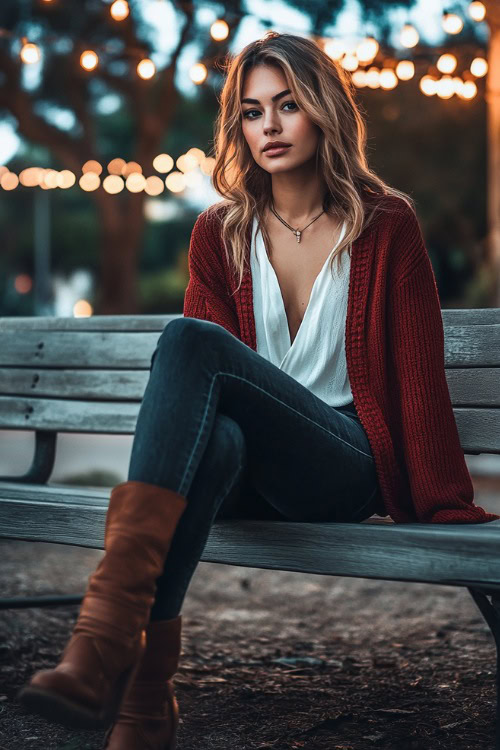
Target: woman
[[299, 394]]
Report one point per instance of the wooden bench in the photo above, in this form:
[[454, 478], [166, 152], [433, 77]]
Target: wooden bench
[[88, 375]]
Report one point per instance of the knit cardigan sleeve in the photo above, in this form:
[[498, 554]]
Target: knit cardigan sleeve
[[440, 483], [206, 296]]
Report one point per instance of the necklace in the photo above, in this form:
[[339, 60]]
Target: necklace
[[296, 232]]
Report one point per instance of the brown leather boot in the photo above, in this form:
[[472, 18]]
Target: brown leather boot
[[99, 663], [149, 715]]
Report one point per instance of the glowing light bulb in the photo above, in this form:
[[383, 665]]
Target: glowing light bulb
[[198, 73], [409, 36], [446, 63], [452, 23], [479, 67], [405, 69], [219, 30], [146, 69], [477, 11], [30, 53], [89, 60], [119, 10]]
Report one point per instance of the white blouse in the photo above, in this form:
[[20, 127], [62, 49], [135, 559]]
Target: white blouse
[[317, 356]]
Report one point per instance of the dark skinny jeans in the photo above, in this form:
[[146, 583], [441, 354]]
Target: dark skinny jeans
[[240, 438]]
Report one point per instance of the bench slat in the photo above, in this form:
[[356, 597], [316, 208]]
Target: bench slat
[[429, 553], [468, 387], [478, 316], [68, 416], [86, 350], [104, 385], [479, 429], [465, 346]]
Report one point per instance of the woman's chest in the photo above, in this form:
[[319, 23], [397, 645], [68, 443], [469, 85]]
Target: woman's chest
[[297, 266]]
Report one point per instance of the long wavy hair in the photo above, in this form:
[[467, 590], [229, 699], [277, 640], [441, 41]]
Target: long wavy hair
[[325, 92]]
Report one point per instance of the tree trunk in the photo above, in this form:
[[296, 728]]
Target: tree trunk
[[493, 115], [121, 219]]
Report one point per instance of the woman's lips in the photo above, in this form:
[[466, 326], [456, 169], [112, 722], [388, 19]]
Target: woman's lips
[[276, 151]]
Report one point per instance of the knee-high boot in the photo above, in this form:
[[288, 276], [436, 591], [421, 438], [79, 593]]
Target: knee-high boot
[[103, 654]]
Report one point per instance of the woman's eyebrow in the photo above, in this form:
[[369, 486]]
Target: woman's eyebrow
[[273, 98]]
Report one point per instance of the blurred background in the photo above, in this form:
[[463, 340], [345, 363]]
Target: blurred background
[[106, 150]]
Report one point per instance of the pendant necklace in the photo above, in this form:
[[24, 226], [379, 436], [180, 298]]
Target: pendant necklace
[[296, 232]]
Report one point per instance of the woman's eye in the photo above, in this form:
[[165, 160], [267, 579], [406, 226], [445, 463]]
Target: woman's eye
[[249, 111]]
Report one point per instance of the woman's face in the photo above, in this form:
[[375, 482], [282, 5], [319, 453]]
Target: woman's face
[[279, 120]]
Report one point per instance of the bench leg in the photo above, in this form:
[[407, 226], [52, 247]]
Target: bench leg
[[43, 460], [491, 613]]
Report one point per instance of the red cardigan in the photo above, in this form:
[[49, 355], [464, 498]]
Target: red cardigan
[[394, 345]]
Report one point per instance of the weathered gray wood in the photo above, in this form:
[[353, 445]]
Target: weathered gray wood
[[468, 387], [471, 386], [105, 385], [479, 429], [105, 349], [465, 346], [122, 323], [457, 554], [480, 316], [68, 416]]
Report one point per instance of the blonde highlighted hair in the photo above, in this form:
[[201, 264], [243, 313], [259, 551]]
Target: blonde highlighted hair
[[325, 92]]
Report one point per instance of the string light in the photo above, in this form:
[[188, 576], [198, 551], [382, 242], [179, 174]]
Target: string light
[[367, 49], [452, 23], [23, 283], [477, 11], [113, 184], [89, 181], [92, 166], [479, 67], [175, 182], [89, 60], [130, 167], [65, 179], [154, 185], [219, 30], [146, 69], [82, 309], [9, 181], [409, 36], [135, 182], [186, 162], [405, 70], [350, 62], [115, 166], [163, 163], [388, 79], [119, 10], [30, 53], [198, 72], [446, 63], [334, 48]]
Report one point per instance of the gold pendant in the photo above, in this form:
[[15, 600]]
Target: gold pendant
[[298, 235]]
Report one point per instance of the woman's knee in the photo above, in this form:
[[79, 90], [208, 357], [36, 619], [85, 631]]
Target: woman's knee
[[186, 334], [190, 331]]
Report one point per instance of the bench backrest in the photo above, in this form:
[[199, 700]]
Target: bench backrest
[[89, 374]]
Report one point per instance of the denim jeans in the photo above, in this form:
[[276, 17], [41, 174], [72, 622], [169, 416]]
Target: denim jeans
[[240, 438]]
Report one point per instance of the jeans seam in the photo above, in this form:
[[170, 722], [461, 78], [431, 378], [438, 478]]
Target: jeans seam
[[230, 374]]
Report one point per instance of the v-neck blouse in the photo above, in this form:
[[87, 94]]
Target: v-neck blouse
[[316, 358]]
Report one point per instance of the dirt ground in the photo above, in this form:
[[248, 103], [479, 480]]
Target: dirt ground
[[279, 660]]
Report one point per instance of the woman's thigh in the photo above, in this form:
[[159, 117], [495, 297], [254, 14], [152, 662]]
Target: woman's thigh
[[309, 460]]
